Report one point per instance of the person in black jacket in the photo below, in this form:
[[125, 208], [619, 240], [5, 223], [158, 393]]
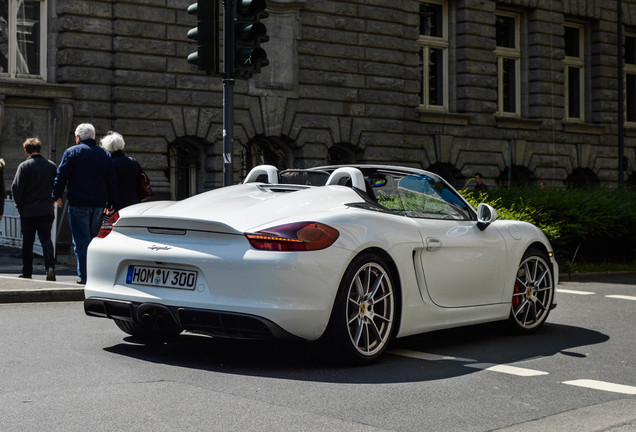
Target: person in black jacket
[[88, 174], [126, 169], [31, 188]]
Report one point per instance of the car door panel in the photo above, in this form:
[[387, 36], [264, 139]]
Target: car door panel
[[462, 265]]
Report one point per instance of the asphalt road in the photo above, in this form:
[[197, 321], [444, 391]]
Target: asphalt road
[[63, 371]]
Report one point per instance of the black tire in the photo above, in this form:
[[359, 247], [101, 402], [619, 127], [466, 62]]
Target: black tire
[[533, 292], [364, 315]]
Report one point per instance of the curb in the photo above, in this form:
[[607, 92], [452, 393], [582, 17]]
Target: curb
[[42, 295], [596, 276]]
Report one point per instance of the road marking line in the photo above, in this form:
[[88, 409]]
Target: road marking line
[[427, 356], [567, 291], [601, 385], [512, 370], [622, 297]]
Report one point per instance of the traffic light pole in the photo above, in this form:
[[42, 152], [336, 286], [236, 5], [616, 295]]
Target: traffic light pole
[[228, 92]]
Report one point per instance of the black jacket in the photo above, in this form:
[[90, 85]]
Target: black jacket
[[126, 169], [88, 174], [32, 186]]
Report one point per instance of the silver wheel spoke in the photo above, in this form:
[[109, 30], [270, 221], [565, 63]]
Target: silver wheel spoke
[[534, 311], [355, 317], [525, 317], [359, 288], [543, 307], [376, 285], [527, 271], [366, 334], [376, 331], [385, 296], [359, 328], [383, 318], [521, 307], [534, 273], [538, 282]]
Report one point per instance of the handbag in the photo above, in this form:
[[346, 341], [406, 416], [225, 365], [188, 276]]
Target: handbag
[[144, 191]]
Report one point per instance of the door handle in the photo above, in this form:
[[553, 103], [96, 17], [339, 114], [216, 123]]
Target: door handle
[[433, 244]]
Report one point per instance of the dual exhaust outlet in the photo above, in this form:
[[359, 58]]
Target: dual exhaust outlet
[[157, 318]]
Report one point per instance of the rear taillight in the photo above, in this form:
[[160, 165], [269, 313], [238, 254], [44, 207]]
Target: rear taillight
[[107, 226], [302, 236]]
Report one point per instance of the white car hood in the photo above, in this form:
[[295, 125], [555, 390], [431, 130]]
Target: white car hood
[[238, 209]]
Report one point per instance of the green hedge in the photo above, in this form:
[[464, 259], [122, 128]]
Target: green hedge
[[595, 226]]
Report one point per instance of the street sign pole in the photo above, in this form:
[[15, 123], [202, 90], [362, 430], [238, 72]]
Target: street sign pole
[[228, 92]]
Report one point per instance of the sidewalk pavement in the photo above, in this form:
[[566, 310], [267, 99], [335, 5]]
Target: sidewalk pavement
[[38, 289]]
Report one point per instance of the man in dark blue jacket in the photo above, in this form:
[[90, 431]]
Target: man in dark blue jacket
[[87, 172], [31, 188]]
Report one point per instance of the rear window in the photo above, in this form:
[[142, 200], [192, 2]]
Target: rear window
[[303, 177]]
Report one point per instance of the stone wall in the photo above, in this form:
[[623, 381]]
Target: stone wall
[[342, 73]]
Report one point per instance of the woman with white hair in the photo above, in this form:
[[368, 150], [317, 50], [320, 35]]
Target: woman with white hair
[[126, 169]]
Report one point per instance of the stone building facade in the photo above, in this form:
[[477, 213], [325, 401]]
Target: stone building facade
[[523, 91]]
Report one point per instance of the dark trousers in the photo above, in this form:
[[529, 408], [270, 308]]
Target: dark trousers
[[42, 226]]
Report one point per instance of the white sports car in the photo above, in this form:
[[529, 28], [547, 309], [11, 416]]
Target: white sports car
[[351, 255]]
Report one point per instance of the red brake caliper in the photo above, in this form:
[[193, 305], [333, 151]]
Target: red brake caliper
[[516, 300]]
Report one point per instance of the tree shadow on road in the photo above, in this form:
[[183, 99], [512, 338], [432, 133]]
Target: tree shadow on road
[[485, 343]]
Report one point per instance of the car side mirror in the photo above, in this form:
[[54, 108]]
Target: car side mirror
[[486, 215]]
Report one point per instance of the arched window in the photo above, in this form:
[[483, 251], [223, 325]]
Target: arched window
[[267, 150], [518, 176], [449, 173], [582, 178], [183, 163]]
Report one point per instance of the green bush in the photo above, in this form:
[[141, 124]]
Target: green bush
[[584, 225]]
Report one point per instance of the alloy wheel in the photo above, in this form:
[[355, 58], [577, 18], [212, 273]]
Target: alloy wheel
[[533, 291], [370, 309]]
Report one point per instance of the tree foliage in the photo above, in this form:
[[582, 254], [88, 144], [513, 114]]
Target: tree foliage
[[583, 225]]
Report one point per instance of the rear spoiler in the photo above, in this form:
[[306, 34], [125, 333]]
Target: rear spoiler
[[170, 223]]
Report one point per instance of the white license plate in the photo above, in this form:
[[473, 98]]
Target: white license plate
[[161, 277]]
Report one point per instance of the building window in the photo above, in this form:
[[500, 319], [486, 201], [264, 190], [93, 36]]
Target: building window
[[182, 159], [574, 72], [508, 52], [630, 77], [23, 38], [264, 150], [433, 42]]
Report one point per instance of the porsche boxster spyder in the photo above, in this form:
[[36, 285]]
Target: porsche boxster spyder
[[353, 256]]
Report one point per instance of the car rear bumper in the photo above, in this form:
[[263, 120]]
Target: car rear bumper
[[294, 291], [214, 323]]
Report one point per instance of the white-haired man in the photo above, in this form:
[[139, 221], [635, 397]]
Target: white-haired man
[[87, 172]]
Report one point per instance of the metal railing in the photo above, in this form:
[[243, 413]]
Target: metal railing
[[11, 231]]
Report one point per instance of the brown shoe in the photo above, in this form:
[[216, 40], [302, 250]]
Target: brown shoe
[[50, 274]]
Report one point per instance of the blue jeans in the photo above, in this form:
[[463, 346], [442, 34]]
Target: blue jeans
[[85, 223]]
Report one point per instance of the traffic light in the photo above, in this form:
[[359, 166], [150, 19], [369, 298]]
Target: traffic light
[[249, 33], [206, 33]]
